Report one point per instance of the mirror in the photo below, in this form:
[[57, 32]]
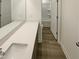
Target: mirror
[[12, 17], [11, 10], [5, 12]]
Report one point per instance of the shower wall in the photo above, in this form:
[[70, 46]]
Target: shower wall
[[46, 12]]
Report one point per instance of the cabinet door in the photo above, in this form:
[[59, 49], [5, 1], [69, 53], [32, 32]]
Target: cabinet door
[[34, 56]]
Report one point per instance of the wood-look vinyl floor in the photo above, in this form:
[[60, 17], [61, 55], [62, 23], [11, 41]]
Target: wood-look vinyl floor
[[49, 48]]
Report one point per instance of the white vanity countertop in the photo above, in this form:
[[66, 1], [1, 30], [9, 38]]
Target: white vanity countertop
[[26, 35]]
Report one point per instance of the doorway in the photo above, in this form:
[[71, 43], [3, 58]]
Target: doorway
[[46, 13], [56, 9], [51, 16]]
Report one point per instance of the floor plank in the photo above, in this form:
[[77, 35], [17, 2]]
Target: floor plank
[[49, 48]]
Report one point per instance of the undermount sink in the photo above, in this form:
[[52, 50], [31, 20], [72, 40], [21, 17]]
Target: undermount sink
[[16, 51]]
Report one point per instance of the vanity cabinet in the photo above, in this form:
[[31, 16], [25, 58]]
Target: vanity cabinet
[[34, 56]]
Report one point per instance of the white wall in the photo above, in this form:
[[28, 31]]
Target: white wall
[[70, 28], [5, 12], [33, 10], [18, 9]]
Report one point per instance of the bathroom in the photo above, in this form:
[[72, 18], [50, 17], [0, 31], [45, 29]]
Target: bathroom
[[21, 27], [19, 22], [38, 29], [24, 17]]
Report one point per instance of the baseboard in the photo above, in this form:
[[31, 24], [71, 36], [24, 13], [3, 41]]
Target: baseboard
[[64, 50]]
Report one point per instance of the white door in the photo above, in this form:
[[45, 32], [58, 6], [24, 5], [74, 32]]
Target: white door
[[54, 21], [70, 28]]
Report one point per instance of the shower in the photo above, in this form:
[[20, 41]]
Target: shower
[[46, 13]]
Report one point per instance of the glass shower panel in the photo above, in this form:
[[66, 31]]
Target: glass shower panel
[[46, 11]]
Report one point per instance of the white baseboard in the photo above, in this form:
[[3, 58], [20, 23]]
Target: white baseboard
[[64, 50]]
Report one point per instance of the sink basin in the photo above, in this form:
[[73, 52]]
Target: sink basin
[[16, 51]]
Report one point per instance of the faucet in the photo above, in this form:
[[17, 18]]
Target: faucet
[[1, 53]]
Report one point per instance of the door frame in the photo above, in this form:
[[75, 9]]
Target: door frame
[[59, 21], [57, 17]]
